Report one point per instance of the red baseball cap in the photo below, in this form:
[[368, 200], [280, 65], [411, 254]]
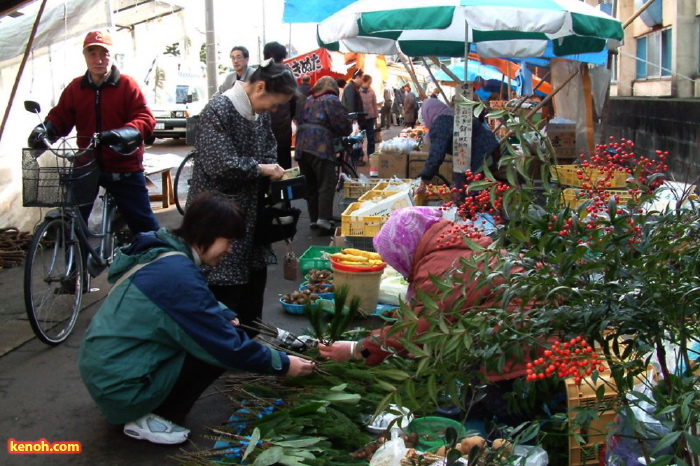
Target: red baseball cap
[[101, 38]]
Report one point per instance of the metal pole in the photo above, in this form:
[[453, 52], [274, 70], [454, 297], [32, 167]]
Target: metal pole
[[210, 47]]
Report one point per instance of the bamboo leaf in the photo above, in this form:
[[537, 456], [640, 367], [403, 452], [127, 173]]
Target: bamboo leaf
[[269, 457], [300, 443], [668, 440], [254, 437]]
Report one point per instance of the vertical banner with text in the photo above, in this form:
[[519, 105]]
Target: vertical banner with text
[[462, 136]]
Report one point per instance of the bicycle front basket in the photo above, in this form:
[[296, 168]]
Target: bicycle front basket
[[52, 181]]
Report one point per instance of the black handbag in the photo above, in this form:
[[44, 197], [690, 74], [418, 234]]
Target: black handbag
[[276, 224]]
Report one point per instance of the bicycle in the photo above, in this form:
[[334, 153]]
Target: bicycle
[[181, 193], [345, 167], [60, 260]]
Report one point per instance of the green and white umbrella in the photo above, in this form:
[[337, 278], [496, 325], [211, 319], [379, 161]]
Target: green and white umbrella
[[498, 28]]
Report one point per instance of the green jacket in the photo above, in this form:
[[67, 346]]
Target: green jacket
[[135, 346]]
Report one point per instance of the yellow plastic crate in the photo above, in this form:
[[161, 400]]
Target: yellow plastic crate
[[434, 195], [584, 396], [589, 452], [382, 185], [569, 175], [375, 195], [366, 226], [353, 189], [572, 197]]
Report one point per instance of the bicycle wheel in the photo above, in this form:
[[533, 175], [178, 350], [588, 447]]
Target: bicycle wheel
[[182, 182], [54, 281]]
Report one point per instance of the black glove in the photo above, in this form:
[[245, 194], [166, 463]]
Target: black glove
[[39, 135], [124, 140]]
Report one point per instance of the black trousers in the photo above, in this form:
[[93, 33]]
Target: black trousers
[[245, 300], [284, 155], [195, 376]]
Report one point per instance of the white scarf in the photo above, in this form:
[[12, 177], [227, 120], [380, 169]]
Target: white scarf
[[241, 101]]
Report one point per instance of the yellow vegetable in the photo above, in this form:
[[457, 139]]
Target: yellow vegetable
[[348, 257], [360, 252]]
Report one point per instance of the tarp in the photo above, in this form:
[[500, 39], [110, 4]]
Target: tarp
[[54, 27], [311, 11], [318, 63]]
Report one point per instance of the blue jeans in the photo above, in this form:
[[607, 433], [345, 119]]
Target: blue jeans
[[131, 195]]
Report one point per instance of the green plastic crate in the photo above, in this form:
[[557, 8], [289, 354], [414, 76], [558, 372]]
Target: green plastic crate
[[313, 258]]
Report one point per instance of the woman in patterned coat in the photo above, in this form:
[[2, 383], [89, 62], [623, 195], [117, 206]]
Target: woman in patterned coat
[[237, 155], [321, 119]]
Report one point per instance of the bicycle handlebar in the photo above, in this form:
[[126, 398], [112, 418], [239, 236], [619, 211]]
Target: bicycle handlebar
[[356, 115]]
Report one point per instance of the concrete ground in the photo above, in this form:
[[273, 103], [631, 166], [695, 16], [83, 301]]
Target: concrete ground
[[43, 397]]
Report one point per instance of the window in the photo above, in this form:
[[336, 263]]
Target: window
[[654, 55]]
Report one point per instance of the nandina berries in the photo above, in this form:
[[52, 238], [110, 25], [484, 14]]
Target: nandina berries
[[574, 358]]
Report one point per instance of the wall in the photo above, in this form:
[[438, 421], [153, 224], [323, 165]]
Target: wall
[[671, 125]]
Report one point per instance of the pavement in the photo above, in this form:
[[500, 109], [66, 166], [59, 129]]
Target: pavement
[[43, 397]]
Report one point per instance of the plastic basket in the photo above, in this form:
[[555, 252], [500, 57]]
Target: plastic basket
[[431, 431], [313, 258], [387, 184], [569, 175], [574, 197], [52, 181], [322, 295], [297, 309], [360, 242], [353, 189], [367, 226]]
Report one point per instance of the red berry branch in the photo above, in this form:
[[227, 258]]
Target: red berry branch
[[574, 358]]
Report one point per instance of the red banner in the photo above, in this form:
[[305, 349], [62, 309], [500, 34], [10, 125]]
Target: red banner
[[315, 64]]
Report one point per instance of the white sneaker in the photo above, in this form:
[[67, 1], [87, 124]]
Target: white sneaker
[[155, 429]]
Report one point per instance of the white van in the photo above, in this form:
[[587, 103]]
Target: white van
[[175, 118]]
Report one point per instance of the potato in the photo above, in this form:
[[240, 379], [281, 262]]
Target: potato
[[470, 442], [503, 444]]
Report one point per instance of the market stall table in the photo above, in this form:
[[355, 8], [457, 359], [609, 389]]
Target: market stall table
[[154, 164]]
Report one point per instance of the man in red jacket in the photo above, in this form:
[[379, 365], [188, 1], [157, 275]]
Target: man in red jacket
[[111, 104]]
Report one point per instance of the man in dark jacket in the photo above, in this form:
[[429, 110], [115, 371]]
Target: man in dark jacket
[[352, 101], [282, 117], [107, 102]]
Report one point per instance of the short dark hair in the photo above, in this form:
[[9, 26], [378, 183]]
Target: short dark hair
[[275, 50], [278, 78], [242, 49], [357, 73], [210, 216], [306, 79], [341, 82]]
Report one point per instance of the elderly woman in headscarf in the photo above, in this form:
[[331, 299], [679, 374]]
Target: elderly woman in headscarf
[[440, 119], [419, 243], [321, 118]]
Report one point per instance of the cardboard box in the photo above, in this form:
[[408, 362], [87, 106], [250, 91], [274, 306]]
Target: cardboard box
[[416, 161], [391, 165], [563, 138], [374, 164]]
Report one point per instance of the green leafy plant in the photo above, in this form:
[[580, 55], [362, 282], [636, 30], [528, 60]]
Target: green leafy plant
[[342, 316], [607, 267]]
